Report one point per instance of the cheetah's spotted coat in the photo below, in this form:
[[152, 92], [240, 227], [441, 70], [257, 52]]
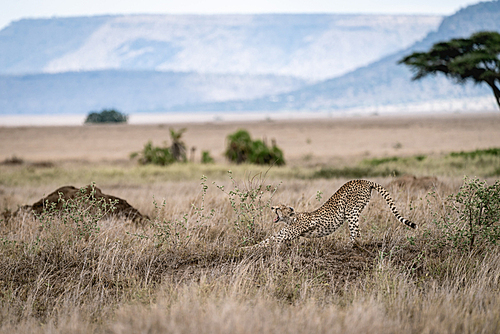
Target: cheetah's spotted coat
[[345, 205]]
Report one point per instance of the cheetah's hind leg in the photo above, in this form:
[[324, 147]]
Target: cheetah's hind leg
[[353, 222]]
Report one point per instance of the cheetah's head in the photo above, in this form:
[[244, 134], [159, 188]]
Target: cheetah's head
[[284, 214]]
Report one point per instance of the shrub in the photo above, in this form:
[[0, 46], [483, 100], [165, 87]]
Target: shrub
[[241, 148], [106, 116], [154, 155], [81, 214], [261, 154], [249, 201], [472, 217], [206, 158], [163, 155]]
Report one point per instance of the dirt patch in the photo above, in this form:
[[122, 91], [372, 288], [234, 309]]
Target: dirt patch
[[66, 193]]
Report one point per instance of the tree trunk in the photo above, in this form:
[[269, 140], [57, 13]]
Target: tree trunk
[[496, 91]]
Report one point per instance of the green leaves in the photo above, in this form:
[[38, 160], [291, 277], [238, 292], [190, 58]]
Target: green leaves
[[163, 155], [106, 116], [472, 217], [475, 58], [241, 148]]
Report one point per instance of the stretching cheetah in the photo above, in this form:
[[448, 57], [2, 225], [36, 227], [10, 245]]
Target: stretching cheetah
[[346, 204]]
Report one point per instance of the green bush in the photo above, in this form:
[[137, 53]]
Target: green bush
[[154, 155], [163, 155], [106, 116], [206, 158], [472, 217], [241, 148]]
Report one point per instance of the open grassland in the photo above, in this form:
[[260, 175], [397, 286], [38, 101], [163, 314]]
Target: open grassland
[[182, 271], [305, 143]]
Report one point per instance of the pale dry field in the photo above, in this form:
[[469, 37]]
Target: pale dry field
[[304, 142], [183, 271]]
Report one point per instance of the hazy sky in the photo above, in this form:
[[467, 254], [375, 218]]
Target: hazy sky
[[11, 10]]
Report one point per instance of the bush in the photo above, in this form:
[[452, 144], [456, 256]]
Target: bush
[[163, 155], [154, 155], [106, 116], [206, 158], [241, 148], [472, 217], [80, 214], [249, 201]]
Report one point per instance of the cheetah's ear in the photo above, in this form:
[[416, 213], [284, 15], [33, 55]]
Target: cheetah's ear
[[292, 210]]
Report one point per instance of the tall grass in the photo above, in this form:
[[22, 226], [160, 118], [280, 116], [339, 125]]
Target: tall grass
[[184, 273]]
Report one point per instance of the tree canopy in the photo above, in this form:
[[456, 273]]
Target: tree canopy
[[106, 116], [463, 59]]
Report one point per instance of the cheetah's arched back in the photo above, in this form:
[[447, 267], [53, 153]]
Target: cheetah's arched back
[[345, 204]]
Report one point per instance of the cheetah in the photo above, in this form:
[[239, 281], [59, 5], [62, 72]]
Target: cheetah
[[346, 204]]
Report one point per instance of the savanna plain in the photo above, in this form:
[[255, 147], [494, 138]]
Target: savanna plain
[[182, 269]]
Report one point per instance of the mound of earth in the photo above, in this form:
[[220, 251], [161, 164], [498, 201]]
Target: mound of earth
[[66, 193]]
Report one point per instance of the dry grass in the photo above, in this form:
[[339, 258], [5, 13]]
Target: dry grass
[[128, 279], [305, 142], [184, 272]]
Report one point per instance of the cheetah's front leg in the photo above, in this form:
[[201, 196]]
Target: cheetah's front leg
[[286, 234]]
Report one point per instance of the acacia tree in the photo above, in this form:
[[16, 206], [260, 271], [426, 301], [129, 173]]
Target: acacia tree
[[462, 59]]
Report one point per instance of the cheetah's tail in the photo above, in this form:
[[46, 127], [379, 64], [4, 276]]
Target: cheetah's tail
[[385, 194]]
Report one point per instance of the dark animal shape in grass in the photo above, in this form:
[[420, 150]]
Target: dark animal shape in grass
[[66, 193]]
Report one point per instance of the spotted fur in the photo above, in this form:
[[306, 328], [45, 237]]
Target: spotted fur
[[345, 205]]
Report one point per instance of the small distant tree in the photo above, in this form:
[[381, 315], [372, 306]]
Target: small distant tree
[[463, 59], [106, 116], [241, 148]]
